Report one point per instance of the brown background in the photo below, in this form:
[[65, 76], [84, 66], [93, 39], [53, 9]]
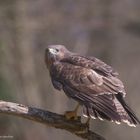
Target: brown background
[[107, 29]]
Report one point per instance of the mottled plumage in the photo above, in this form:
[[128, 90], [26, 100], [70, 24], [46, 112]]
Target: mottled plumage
[[91, 82]]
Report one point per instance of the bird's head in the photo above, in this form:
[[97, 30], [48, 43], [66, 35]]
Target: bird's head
[[55, 53]]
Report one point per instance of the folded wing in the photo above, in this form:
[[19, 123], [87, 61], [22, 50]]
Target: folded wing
[[86, 80]]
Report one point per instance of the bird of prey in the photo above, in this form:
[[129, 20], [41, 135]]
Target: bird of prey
[[91, 82]]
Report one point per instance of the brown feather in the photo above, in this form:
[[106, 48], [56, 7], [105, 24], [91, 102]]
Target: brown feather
[[91, 82]]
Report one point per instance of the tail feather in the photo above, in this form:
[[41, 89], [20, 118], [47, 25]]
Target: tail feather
[[112, 108], [91, 112], [130, 112]]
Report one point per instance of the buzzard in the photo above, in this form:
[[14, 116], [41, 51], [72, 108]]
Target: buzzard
[[91, 82]]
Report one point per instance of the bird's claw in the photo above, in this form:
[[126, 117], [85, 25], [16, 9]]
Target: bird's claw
[[71, 115]]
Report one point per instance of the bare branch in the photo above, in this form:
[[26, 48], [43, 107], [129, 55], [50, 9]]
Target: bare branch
[[49, 118]]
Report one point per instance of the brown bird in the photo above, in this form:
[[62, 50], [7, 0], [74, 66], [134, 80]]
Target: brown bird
[[91, 82]]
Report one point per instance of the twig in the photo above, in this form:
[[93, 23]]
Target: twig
[[49, 118]]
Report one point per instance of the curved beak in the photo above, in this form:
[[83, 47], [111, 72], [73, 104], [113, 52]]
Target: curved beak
[[50, 50], [49, 53]]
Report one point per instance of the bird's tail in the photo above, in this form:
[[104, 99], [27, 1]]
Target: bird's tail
[[134, 120], [111, 108]]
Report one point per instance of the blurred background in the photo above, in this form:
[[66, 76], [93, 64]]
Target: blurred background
[[109, 30]]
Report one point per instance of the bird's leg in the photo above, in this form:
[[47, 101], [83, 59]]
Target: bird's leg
[[72, 114], [87, 122]]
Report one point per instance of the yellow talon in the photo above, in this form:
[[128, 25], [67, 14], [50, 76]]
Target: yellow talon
[[72, 114]]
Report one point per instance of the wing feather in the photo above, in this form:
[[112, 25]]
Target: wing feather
[[93, 63], [100, 73], [86, 80]]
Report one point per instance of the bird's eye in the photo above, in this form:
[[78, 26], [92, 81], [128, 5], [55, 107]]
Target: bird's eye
[[57, 50]]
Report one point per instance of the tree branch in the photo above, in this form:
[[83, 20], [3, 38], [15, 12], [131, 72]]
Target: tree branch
[[49, 118]]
